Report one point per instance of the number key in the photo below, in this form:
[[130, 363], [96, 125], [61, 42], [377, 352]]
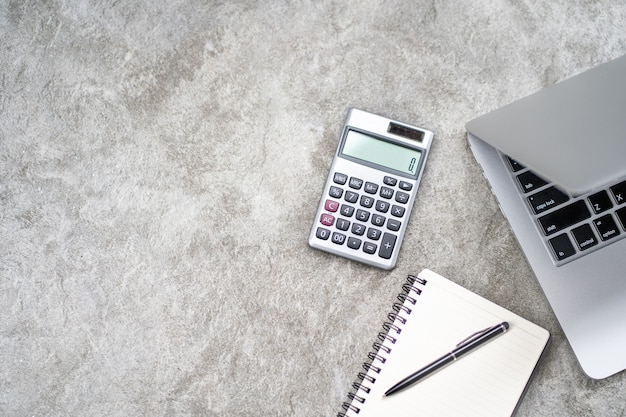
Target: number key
[[322, 233], [342, 224], [338, 238], [378, 220], [346, 210], [358, 229], [382, 206], [351, 197], [367, 201], [373, 234], [362, 215]]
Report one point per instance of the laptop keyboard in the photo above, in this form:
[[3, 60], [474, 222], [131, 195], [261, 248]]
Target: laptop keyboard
[[572, 227]]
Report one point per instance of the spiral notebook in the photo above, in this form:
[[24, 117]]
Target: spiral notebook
[[433, 316]]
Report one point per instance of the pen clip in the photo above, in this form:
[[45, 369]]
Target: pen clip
[[475, 335]]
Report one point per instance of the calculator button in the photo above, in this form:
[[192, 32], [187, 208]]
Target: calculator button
[[406, 186], [362, 215], [393, 224], [335, 192], [378, 220], [367, 201], [346, 210], [397, 211], [402, 197], [340, 178], [390, 181], [351, 197], [370, 188], [338, 238], [322, 233], [354, 243], [331, 205], [342, 224], [327, 219], [358, 229], [373, 234], [369, 247], [382, 206], [355, 183], [386, 192], [387, 245], [606, 227]]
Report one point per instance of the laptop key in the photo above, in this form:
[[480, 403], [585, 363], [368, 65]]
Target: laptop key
[[529, 181], [600, 202], [562, 246], [584, 237], [546, 199], [619, 192], [564, 217], [515, 166], [606, 227], [621, 215]]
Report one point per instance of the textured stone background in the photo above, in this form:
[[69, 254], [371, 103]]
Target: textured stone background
[[160, 165]]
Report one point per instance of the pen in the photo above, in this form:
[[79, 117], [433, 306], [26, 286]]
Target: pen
[[466, 345]]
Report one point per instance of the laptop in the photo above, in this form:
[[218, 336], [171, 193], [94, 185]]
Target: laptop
[[556, 162]]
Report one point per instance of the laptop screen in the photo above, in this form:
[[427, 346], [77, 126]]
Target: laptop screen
[[572, 133]]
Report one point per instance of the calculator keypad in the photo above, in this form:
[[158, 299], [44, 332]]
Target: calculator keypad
[[364, 215]]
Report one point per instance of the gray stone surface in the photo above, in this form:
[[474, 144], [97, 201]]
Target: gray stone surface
[[160, 165]]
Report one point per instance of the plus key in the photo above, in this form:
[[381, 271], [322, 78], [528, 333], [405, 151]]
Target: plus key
[[387, 245]]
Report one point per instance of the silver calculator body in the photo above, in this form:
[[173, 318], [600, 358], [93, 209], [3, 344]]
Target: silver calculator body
[[370, 190]]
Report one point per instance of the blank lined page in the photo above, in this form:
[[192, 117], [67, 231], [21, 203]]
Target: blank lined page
[[487, 381]]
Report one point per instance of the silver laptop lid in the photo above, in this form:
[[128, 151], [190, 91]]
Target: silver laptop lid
[[572, 133]]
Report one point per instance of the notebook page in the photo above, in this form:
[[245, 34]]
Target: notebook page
[[485, 382]]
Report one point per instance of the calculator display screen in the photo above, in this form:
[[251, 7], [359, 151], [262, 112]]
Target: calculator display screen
[[380, 152]]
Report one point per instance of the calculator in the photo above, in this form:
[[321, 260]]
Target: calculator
[[370, 190]]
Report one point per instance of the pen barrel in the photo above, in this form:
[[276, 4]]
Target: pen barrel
[[480, 340], [422, 373], [464, 347]]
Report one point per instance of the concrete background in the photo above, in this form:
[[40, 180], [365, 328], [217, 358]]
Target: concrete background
[[160, 166]]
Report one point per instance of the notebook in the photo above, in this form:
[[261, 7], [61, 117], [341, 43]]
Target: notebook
[[432, 316], [556, 162]]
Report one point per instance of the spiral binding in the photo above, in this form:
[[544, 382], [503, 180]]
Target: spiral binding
[[361, 387]]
